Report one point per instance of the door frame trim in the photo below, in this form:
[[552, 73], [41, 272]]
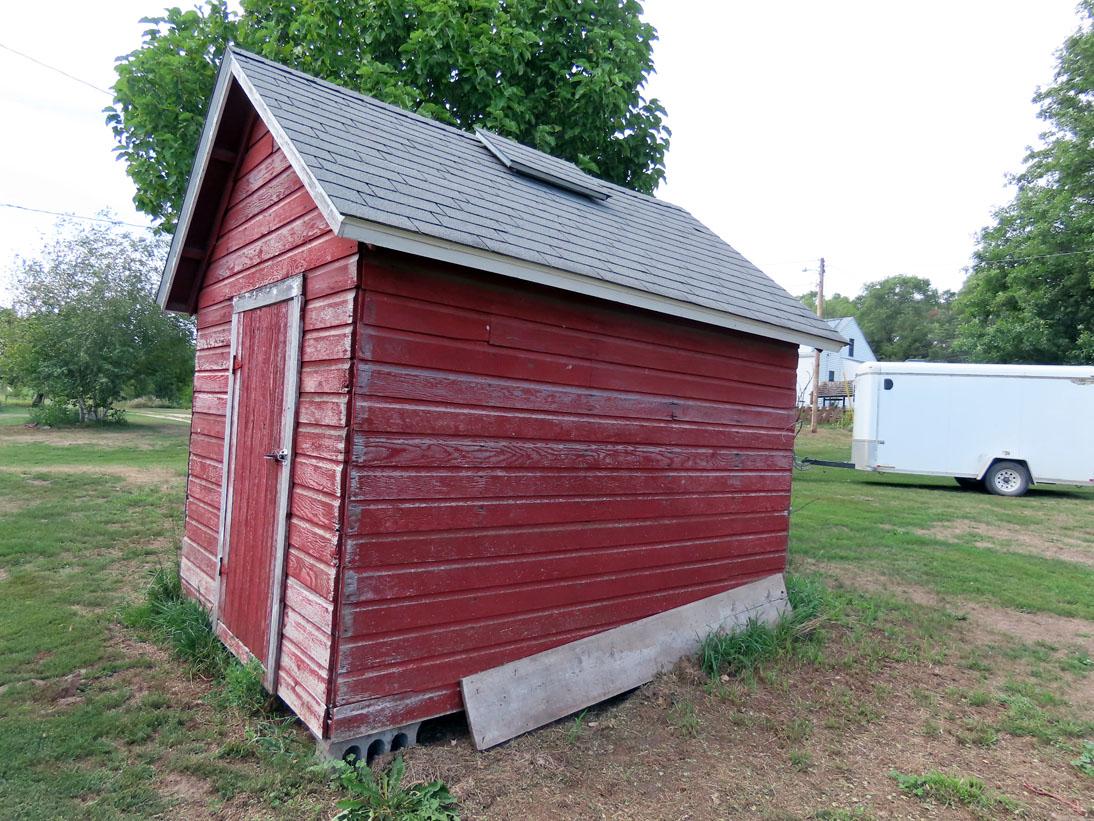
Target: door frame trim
[[291, 289]]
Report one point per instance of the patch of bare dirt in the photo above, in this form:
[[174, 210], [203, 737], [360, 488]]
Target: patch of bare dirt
[[137, 475], [4, 575], [820, 740], [1054, 545], [66, 437], [12, 505], [988, 622], [186, 788]]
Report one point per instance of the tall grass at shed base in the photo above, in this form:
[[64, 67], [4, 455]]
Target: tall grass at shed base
[[742, 651], [184, 627]]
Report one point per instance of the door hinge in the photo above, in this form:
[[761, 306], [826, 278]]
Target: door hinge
[[220, 566], [237, 363]]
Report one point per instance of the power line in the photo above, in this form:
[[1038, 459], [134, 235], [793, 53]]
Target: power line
[[58, 70], [73, 216], [1039, 256]]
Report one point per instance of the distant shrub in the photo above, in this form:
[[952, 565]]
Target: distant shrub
[[151, 402], [53, 416]]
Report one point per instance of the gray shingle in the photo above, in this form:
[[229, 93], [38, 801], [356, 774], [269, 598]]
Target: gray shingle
[[389, 166]]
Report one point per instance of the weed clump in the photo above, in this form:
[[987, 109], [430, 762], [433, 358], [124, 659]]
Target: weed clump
[[743, 650], [381, 795], [952, 791], [1085, 762]]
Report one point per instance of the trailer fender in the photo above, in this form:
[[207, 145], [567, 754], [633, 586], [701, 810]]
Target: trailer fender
[[992, 460]]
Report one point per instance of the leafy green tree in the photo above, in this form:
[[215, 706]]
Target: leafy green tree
[[1030, 294], [7, 335], [835, 306], [160, 99], [565, 76], [905, 317], [88, 330]]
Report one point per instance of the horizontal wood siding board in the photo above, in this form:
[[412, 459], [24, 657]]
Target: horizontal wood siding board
[[374, 715], [385, 415], [441, 640], [417, 450], [373, 550], [390, 347], [452, 483], [528, 469], [378, 584], [403, 275], [376, 618], [271, 231], [393, 517], [430, 384]]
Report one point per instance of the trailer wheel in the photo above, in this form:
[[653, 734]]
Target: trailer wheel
[[1007, 479], [968, 483]]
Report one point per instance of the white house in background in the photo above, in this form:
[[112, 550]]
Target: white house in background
[[837, 368]]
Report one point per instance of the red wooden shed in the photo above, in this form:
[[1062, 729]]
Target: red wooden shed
[[457, 402]]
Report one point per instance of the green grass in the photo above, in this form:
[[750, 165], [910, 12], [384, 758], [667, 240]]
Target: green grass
[[741, 651], [902, 526], [90, 725], [954, 791]]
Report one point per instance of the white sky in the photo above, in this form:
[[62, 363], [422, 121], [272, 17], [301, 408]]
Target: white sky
[[875, 134]]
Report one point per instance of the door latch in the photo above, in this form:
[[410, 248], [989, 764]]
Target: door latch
[[277, 455]]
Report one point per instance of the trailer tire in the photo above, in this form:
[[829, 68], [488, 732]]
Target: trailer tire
[[968, 483], [1007, 479]]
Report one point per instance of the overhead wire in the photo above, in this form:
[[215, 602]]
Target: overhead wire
[[74, 216], [60, 71]]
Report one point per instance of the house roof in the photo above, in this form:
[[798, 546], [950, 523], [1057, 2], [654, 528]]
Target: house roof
[[394, 179]]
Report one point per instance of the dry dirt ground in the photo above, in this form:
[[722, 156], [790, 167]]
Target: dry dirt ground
[[806, 741]]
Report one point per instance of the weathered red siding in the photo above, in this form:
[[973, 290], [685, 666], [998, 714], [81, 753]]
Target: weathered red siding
[[529, 468], [271, 230]]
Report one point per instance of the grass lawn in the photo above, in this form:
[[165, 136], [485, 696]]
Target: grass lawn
[[1033, 554], [94, 721], [951, 677]]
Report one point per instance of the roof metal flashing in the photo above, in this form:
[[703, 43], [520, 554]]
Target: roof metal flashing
[[543, 171]]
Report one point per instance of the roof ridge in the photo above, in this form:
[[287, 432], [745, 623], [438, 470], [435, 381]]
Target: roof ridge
[[311, 78]]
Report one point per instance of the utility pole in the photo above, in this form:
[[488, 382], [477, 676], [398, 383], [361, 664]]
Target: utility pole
[[817, 351]]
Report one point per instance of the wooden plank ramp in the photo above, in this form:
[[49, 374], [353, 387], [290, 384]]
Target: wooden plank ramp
[[506, 701]]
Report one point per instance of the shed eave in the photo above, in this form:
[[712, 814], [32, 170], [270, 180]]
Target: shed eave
[[193, 188], [398, 239], [230, 70]]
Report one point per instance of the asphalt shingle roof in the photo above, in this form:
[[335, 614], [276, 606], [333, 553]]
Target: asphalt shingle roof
[[386, 165]]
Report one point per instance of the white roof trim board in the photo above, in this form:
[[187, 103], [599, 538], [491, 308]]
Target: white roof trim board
[[391, 178]]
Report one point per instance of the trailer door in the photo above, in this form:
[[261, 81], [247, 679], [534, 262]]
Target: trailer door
[[912, 423]]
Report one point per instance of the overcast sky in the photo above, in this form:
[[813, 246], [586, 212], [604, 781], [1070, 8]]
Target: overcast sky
[[875, 134]]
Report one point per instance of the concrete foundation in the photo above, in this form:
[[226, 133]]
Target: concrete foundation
[[367, 747]]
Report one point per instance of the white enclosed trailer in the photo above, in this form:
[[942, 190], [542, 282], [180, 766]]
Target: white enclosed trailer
[[1006, 426]]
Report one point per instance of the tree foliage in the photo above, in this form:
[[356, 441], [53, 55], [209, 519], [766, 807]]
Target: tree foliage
[[1030, 295], [835, 306], [87, 331], [565, 76], [903, 317]]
